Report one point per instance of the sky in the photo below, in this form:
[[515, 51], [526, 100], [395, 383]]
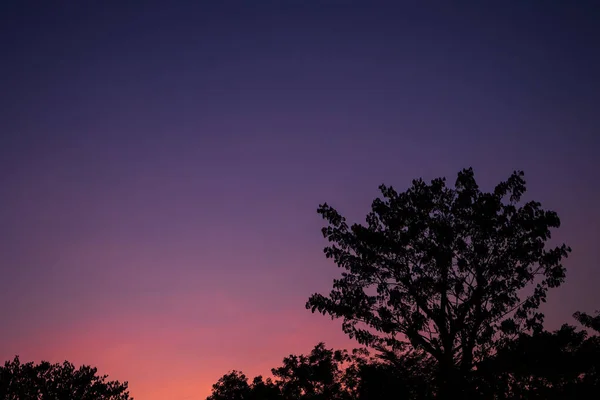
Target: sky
[[161, 162]]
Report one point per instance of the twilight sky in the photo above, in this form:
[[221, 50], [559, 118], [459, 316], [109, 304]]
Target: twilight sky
[[161, 162]]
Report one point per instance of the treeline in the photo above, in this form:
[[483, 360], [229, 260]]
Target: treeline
[[47, 381], [564, 364]]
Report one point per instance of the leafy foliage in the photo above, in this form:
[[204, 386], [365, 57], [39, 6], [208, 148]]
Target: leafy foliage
[[232, 386], [563, 364], [443, 270], [316, 376], [589, 321], [408, 375], [333, 374], [46, 381]]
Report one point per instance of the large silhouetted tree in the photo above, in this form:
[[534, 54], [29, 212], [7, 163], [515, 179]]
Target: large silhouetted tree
[[46, 381], [449, 271]]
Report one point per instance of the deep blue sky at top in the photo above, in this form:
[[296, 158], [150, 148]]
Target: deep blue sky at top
[[414, 60]]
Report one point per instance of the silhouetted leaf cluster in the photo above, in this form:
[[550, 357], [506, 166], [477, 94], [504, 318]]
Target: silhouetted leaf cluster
[[564, 364], [46, 381], [327, 374]]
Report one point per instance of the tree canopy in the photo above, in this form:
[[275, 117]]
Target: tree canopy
[[328, 374], [450, 271], [562, 364], [46, 381]]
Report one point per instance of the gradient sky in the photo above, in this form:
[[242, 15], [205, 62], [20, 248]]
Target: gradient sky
[[161, 162]]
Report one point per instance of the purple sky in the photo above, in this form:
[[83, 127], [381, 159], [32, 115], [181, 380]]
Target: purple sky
[[161, 162]]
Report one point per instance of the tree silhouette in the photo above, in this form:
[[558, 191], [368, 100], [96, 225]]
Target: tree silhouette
[[318, 376], [46, 381], [590, 360], [443, 270], [327, 374], [563, 364], [232, 386], [407, 375], [264, 390]]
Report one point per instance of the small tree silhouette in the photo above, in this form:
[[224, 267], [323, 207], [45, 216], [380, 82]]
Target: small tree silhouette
[[46, 381]]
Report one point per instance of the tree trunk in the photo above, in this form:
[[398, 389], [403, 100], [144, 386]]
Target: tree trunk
[[452, 383]]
